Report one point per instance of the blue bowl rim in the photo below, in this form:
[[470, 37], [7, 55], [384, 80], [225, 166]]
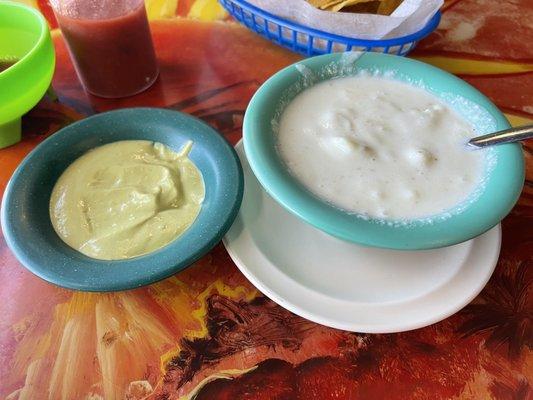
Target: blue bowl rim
[[288, 192], [163, 271], [413, 37]]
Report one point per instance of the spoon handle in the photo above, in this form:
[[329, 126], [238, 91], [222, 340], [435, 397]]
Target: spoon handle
[[506, 136]]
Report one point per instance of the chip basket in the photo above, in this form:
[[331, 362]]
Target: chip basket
[[309, 41]]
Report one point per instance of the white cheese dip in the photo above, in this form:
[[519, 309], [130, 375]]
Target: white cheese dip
[[379, 147]]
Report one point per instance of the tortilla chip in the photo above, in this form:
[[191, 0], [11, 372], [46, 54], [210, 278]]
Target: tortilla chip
[[339, 5], [320, 3], [383, 7], [388, 6], [370, 7], [329, 4]]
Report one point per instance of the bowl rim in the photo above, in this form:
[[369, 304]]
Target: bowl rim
[[44, 32], [29, 77], [286, 190], [165, 261]]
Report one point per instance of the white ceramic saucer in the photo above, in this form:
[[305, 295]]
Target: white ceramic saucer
[[346, 286]]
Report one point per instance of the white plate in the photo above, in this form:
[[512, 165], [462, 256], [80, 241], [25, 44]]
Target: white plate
[[346, 286]]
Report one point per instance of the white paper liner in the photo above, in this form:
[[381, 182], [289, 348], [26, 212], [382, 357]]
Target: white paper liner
[[409, 17]]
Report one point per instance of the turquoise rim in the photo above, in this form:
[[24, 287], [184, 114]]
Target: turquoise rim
[[25, 207], [503, 182]]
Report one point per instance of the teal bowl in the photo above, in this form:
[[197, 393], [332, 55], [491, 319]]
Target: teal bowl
[[25, 208], [503, 179]]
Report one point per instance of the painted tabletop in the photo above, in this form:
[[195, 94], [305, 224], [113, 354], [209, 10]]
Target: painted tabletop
[[207, 333]]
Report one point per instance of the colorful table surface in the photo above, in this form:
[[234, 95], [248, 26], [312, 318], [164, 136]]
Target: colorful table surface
[[207, 333]]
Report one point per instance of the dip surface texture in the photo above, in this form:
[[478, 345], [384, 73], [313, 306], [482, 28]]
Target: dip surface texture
[[379, 148], [126, 199]]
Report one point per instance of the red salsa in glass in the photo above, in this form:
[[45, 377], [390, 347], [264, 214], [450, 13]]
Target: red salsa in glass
[[110, 44]]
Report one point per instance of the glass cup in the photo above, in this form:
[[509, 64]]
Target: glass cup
[[110, 44]]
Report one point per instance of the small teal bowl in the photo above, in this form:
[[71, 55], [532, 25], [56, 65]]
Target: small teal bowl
[[25, 207], [503, 180]]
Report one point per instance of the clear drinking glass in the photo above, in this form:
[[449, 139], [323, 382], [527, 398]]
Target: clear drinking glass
[[110, 44]]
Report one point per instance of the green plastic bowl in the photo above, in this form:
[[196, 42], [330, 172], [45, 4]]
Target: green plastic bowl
[[503, 180], [24, 36]]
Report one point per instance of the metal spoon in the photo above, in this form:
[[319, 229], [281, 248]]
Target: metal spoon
[[506, 136]]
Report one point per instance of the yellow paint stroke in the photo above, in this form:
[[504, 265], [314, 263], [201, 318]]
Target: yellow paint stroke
[[31, 346], [98, 344], [79, 303], [29, 359], [225, 374], [176, 296], [159, 9], [65, 378], [221, 288], [32, 380], [73, 329], [171, 292], [207, 10], [127, 336], [239, 292], [456, 65], [517, 120]]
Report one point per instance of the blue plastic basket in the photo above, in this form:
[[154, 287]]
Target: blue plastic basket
[[309, 41]]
